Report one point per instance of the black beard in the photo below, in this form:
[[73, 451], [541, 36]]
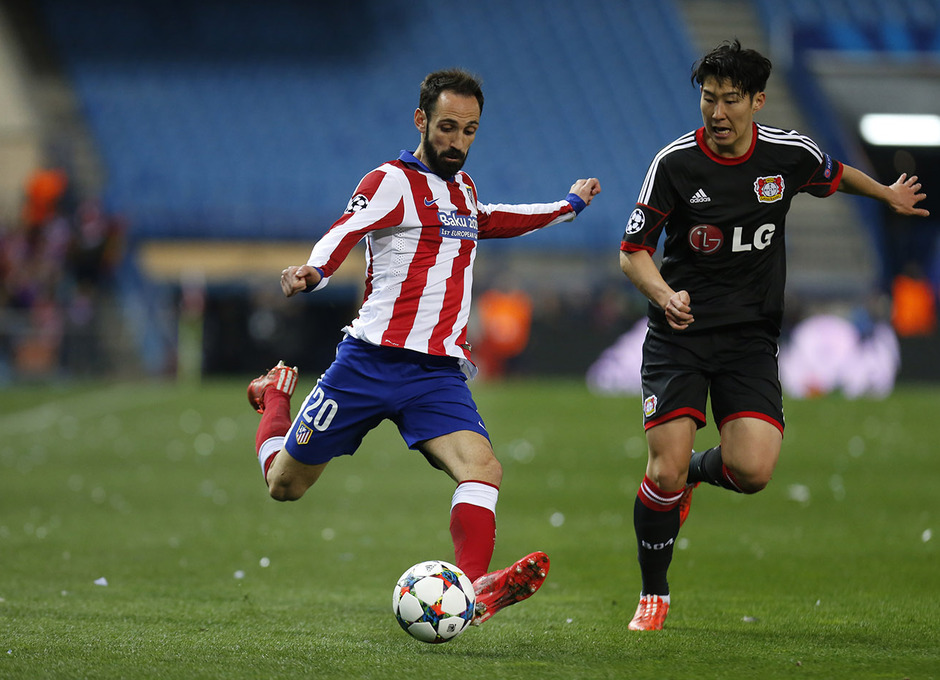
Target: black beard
[[445, 164]]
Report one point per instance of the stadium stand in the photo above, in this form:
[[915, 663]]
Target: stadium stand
[[241, 127], [863, 27], [869, 56], [255, 120]]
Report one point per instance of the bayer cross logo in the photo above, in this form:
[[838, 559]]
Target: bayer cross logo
[[636, 221], [357, 203], [769, 189]]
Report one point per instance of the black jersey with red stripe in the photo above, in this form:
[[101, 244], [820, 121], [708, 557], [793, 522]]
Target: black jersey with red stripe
[[724, 222]]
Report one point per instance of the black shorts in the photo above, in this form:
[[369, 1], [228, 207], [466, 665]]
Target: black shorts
[[737, 366]]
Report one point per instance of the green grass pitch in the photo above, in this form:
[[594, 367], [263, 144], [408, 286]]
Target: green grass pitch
[[832, 572]]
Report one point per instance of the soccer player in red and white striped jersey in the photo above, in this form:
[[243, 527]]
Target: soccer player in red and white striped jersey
[[421, 233], [405, 357]]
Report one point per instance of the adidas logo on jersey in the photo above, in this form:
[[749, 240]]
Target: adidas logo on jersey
[[700, 197]]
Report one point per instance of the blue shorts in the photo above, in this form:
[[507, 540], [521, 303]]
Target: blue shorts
[[425, 396]]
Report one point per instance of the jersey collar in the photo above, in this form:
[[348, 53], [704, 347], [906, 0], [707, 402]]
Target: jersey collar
[[700, 139], [409, 157]]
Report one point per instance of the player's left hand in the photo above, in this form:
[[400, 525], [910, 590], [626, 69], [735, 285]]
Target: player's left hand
[[905, 195], [586, 189]]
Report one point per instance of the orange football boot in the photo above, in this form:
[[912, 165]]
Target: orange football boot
[[650, 613]]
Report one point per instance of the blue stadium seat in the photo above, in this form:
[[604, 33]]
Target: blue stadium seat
[[224, 119], [862, 28]]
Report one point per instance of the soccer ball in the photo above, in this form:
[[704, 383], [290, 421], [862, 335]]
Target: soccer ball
[[433, 601]]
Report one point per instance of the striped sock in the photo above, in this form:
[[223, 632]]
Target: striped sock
[[656, 521], [473, 526], [275, 423]]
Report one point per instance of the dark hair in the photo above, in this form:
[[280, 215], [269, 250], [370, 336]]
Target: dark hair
[[748, 70], [450, 80]]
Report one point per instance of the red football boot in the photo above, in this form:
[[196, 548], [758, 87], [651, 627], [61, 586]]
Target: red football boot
[[281, 377], [515, 583]]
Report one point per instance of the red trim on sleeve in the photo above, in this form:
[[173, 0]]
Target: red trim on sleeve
[[628, 247], [838, 180]]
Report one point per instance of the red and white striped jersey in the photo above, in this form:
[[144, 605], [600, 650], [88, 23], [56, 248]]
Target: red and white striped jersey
[[421, 234]]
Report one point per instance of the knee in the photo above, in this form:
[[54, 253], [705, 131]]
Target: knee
[[285, 492], [751, 486], [672, 480], [667, 476], [483, 467], [750, 449], [753, 480], [491, 471]]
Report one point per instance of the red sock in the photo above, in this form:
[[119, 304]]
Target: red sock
[[275, 422], [473, 526], [473, 530]]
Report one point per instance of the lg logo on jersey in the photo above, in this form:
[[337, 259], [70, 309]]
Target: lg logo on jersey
[[762, 238], [708, 239]]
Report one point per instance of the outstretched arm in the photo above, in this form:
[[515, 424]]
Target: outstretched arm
[[902, 196], [500, 220]]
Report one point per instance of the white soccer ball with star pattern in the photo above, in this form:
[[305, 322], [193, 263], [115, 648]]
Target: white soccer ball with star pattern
[[433, 601]]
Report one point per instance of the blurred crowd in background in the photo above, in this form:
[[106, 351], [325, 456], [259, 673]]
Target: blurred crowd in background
[[206, 136], [57, 265]]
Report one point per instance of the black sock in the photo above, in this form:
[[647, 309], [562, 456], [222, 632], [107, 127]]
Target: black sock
[[656, 533], [706, 466]]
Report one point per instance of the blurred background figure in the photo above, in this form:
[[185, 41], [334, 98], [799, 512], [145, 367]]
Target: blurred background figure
[[45, 195], [505, 321], [914, 308]]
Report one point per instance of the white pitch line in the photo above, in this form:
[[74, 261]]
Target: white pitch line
[[93, 404]]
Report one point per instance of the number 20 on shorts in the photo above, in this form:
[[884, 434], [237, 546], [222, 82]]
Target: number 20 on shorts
[[319, 411]]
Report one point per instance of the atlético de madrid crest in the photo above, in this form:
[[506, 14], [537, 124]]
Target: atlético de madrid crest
[[769, 189]]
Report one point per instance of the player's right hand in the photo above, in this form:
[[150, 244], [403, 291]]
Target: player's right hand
[[678, 311], [296, 279]]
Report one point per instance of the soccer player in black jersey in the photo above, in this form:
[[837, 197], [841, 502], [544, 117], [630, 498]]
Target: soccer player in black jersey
[[721, 193]]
